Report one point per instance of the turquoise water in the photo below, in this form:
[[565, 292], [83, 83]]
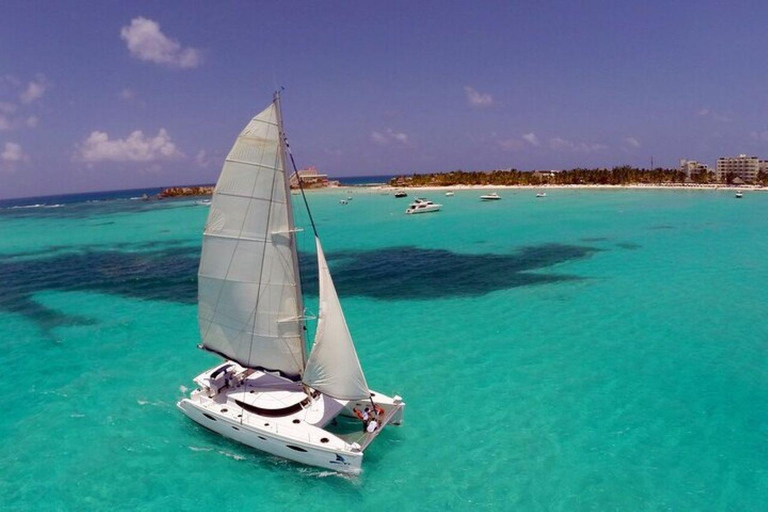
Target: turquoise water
[[592, 350]]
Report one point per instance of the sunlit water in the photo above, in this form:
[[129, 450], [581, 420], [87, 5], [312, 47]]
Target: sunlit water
[[591, 350]]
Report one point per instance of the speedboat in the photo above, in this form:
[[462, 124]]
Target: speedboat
[[343, 201], [541, 194], [739, 195], [493, 196], [422, 205], [401, 194], [449, 194]]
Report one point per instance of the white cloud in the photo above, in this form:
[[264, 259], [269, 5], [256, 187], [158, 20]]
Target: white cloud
[[531, 139], [558, 143], [711, 114], [511, 144], [12, 153], [32, 121], [98, 147], [478, 99], [389, 136], [632, 142], [202, 159], [146, 42], [127, 94], [34, 90]]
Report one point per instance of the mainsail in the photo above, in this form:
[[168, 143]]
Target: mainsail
[[333, 367], [249, 296]]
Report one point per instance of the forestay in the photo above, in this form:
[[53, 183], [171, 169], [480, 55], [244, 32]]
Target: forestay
[[333, 367], [249, 297]]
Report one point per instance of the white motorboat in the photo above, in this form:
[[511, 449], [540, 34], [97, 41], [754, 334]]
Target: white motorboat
[[449, 194], [400, 194], [739, 195], [343, 201], [204, 202], [422, 205], [493, 196], [541, 194], [270, 392]]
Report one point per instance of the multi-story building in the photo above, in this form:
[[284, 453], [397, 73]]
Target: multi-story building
[[311, 178], [693, 168], [742, 166]]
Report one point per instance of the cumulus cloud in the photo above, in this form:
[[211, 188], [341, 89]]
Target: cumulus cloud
[[137, 147], [511, 144], [478, 99], [11, 156], [711, 114], [201, 158], [12, 153], [632, 142], [388, 137], [147, 42], [531, 139], [558, 143], [34, 90]]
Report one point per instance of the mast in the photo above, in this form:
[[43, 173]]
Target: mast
[[292, 227]]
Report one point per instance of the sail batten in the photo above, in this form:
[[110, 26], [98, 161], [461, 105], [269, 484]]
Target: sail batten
[[248, 280], [333, 367]]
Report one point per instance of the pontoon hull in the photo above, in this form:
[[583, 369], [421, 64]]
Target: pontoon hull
[[273, 414], [342, 461]]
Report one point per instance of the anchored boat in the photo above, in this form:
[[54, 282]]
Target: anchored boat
[[270, 393]]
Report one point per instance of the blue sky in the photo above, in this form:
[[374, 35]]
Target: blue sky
[[108, 95]]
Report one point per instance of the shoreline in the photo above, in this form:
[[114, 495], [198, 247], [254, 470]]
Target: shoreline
[[671, 186]]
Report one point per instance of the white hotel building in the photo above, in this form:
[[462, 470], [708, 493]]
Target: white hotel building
[[743, 166]]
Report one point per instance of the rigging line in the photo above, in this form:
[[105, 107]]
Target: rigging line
[[301, 187]]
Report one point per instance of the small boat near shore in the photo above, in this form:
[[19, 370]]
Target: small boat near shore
[[449, 194], [400, 194], [541, 194], [493, 196], [343, 201], [739, 195], [422, 205]]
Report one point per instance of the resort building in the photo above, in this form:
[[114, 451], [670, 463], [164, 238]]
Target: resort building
[[742, 166], [311, 178], [693, 168]]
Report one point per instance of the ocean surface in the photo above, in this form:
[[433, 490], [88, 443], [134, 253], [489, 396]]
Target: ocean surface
[[588, 351]]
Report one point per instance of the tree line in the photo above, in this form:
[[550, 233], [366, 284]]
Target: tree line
[[623, 175]]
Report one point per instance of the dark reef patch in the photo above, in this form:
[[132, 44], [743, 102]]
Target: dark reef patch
[[628, 245], [423, 274], [170, 274], [595, 239]]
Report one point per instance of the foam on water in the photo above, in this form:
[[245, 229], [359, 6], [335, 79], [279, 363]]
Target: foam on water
[[598, 350]]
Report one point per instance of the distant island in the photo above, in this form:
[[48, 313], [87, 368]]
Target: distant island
[[624, 175], [201, 190]]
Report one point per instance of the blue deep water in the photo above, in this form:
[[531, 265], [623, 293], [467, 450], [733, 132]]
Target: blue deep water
[[592, 350]]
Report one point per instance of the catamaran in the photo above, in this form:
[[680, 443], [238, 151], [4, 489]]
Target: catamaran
[[269, 393]]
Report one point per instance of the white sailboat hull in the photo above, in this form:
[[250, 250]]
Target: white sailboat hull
[[299, 432]]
